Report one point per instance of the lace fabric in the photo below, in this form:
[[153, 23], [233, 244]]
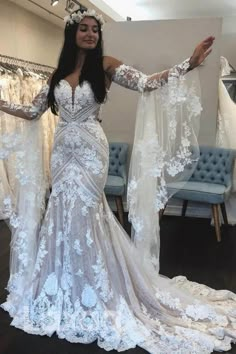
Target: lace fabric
[[22, 90], [165, 148], [33, 111], [87, 281], [133, 79], [23, 149]]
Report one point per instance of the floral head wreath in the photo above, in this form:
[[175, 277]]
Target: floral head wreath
[[77, 17]]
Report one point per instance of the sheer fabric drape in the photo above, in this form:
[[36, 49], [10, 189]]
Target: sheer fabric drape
[[226, 132], [165, 151]]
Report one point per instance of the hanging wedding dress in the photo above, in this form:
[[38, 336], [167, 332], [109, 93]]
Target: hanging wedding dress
[[19, 88], [83, 278], [226, 133]]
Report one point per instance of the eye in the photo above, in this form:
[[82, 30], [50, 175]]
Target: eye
[[83, 28]]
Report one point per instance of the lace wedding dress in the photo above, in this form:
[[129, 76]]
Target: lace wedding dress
[[87, 281]]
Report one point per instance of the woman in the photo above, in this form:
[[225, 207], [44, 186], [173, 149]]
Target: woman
[[87, 283]]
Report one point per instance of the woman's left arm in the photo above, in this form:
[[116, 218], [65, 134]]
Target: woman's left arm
[[133, 79]]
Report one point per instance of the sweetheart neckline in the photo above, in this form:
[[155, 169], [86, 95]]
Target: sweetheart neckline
[[72, 88]]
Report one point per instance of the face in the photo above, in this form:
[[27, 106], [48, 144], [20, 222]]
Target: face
[[87, 34]]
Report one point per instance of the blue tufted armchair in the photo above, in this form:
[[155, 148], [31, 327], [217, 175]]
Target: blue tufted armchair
[[117, 176], [211, 182]]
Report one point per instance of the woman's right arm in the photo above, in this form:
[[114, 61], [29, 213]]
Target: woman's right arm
[[29, 112]]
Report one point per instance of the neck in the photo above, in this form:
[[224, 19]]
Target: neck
[[81, 59]]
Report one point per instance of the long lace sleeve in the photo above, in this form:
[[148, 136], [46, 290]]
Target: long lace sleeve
[[29, 112], [133, 79]]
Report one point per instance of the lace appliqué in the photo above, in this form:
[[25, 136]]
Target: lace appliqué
[[77, 248], [133, 79], [101, 279], [34, 111], [165, 151]]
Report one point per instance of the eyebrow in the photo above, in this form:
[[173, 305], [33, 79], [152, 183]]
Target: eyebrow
[[85, 25]]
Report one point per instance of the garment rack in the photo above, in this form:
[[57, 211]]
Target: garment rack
[[25, 64]]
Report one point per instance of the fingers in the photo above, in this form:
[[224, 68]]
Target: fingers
[[209, 39], [207, 44], [207, 52]]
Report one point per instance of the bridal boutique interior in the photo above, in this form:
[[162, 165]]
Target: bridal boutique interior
[[31, 34]]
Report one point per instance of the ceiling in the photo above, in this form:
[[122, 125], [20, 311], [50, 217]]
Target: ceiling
[[171, 9], [116, 10], [55, 14]]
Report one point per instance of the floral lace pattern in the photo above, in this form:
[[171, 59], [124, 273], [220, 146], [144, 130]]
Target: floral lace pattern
[[15, 88], [88, 281], [133, 79], [33, 111], [165, 149]]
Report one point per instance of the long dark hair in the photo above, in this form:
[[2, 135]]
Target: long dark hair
[[92, 70]]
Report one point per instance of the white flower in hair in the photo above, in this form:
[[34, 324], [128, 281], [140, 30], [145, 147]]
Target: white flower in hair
[[76, 17]]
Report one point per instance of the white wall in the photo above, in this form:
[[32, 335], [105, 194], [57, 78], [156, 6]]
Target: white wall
[[228, 45], [26, 36]]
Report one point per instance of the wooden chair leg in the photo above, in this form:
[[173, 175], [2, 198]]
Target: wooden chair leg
[[120, 209], [224, 214], [216, 216], [184, 208]]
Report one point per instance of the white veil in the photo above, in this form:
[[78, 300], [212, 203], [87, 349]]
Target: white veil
[[165, 150]]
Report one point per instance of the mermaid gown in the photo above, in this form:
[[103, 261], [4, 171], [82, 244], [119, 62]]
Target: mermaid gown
[[88, 283]]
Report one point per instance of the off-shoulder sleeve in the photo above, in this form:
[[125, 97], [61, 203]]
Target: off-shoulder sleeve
[[133, 79], [29, 112]]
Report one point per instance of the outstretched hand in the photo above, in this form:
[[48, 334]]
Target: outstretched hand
[[201, 51]]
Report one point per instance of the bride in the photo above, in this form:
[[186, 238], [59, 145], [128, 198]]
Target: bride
[[74, 270]]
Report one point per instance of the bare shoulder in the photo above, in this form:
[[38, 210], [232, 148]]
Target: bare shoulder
[[110, 64]]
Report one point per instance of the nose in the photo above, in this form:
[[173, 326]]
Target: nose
[[91, 32]]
